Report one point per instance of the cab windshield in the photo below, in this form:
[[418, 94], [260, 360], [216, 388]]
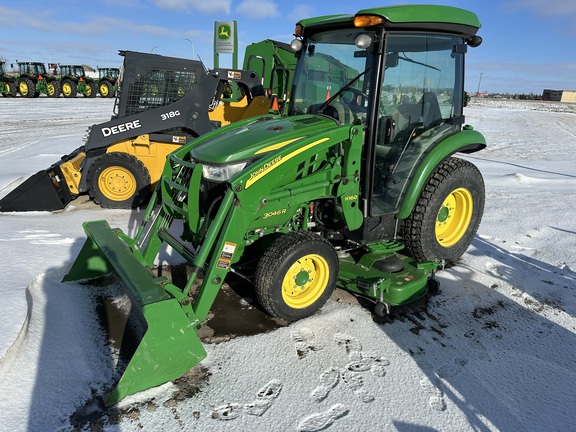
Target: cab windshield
[[333, 75]]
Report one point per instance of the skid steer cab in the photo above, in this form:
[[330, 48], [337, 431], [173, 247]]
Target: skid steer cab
[[358, 188]]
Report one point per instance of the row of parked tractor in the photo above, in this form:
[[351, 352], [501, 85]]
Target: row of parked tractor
[[33, 80]]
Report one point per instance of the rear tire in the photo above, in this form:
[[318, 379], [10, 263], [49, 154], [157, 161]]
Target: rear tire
[[118, 181], [11, 89], [105, 89], [26, 88], [447, 214], [69, 89], [296, 275]]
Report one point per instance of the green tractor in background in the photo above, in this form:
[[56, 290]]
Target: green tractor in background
[[356, 187], [34, 81], [8, 85], [108, 81], [73, 80]]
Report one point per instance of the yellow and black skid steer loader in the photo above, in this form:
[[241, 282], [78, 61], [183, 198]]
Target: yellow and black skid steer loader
[[162, 103]]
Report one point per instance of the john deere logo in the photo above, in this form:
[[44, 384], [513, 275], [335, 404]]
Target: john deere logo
[[224, 32]]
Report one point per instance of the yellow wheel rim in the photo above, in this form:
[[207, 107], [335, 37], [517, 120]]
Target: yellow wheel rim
[[454, 217], [88, 90], [117, 183], [50, 89], [23, 87], [104, 90], [305, 281], [66, 89]]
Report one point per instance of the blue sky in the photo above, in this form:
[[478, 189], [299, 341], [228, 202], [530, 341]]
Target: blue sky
[[529, 45]]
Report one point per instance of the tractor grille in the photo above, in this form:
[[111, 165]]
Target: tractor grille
[[181, 189], [211, 194]]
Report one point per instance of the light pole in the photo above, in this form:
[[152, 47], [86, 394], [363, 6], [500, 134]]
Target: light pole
[[479, 81], [193, 55], [152, 50]]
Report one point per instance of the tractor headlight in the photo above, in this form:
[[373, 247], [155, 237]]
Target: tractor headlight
[[220, 173]]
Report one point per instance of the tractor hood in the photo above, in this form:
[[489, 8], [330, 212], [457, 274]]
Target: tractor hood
[[256, 138]]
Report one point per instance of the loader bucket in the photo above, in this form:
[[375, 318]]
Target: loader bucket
[[169, 346], [43, 191]]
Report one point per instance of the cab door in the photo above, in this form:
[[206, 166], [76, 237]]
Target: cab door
[[420, 103]]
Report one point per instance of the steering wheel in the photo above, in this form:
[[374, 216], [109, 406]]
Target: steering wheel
[[352, 102]]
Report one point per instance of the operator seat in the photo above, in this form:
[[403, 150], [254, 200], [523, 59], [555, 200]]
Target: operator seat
[[401, 122], [431, 113]]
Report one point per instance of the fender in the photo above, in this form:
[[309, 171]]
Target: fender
[[465, 141]]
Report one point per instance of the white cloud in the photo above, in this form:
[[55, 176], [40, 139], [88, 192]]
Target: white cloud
[[258, 8]]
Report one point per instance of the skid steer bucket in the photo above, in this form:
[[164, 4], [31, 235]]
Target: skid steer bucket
[[44, 191], [169, 346]]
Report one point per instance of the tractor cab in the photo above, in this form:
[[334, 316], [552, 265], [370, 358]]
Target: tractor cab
[[73, 71], [32, 68], [404, 87], [110, 73]]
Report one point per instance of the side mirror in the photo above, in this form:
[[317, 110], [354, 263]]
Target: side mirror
[[391, 60]]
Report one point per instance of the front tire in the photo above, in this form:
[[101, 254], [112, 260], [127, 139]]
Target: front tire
[[296, 275], [91, 90], [447, 214], [118, 181], [26, 88], [53, 89]]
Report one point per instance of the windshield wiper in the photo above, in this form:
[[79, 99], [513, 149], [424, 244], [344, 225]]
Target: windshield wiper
[[403, 57]]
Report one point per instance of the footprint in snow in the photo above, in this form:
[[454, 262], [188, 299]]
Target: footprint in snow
[[304, 341], [452, 368], [257, 407], [436, 398], [322, 420], [350, 375]]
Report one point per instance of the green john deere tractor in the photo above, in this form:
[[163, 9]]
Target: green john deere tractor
[[73, 80], [8, 86], [358, 188], [34, 81], [108, 81]]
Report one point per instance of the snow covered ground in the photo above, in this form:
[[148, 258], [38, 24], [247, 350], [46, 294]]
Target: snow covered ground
[[495, 351]]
